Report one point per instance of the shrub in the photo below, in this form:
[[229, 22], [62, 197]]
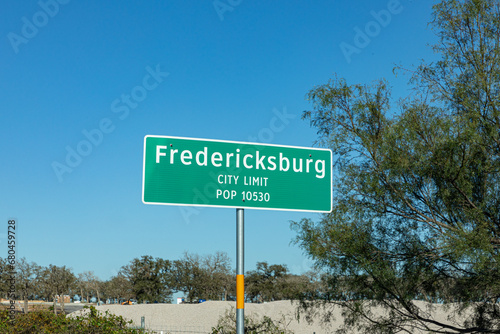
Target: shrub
[[46, 322], [253, 325]]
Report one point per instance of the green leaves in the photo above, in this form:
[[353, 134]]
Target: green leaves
[[44, 321], [204, 277], [416, 213], [253, 325], [150, 279]]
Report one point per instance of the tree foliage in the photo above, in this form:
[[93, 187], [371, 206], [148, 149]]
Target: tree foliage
[[88, 285], [204, 277], [118, 288], [252, 324], [56, 281], [416, 210], [153, 280], [266, 282], [43, 321], [149, 278], [274, 282]]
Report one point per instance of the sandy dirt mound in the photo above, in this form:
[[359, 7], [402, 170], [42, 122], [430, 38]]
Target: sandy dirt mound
[[200, 318]]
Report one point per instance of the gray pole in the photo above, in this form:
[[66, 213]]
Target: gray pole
[[240, 264]]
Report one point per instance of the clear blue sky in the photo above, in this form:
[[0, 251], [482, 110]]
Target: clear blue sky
[[221, 73]]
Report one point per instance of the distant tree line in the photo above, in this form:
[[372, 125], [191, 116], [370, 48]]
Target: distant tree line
[[155, 280]]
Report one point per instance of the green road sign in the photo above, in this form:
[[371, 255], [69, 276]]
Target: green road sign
[[203, 172]]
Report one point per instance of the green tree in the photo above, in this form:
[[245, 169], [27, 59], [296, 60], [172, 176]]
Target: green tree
[[204, 277], [220, 280], [117, 288], [149, 278], [252, 324], [27, 280], [83, 287], [266, 283], [88, 284], [4, 275], [416, 210], [299, 287], [273, 282], [56, 281]]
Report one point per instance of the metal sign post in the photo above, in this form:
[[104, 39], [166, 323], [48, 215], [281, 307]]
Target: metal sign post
[[240, 278]]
